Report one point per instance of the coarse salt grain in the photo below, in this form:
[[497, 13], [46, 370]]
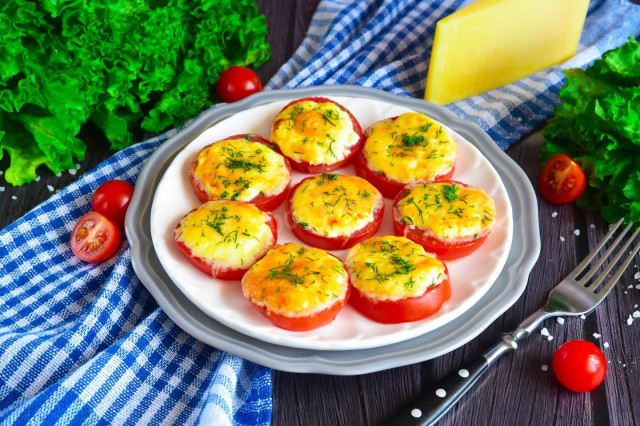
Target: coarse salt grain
[[592, 226], [544, 367], [576, 232], [13, 197], [583, 317], [636, 314], [1, 188], [561, 238], [72, 172], [544, 331], [637, 276], [38, 179], [596, 335], [630, 320], [58, 174], [554, 214], [605, 344], [560, 320], [50, 188]]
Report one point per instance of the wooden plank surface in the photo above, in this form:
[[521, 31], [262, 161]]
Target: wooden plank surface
[[516, 390]]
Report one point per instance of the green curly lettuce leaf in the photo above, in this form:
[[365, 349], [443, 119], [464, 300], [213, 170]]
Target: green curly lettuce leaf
[[598, 124], [122, 65]]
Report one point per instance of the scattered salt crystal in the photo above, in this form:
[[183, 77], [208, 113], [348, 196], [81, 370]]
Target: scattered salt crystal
[[637, 276], [638, 286], [13, 197], [72, 171], [77, 166], [624, 365], [38, 179], [560, 320], [1, 172], [630, 286], [549, 338], [554, 214], [582, 317], [544, 367], [596, 335], [592, 226], [605, 344], [636, 314], [635, 306], [58, 174], [561, 238], [544, 331], [576, 232], [50, 188], [630, 320], [1, 188]]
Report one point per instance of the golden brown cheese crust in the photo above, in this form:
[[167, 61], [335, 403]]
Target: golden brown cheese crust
[[226, 233], [334, 205], [295, 281], [411, 148], [448, 211], [240, 170], [314, 132], [392, 268]]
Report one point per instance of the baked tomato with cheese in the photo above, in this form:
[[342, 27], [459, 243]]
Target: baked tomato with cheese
[[316, 134], [332, 211], [297, 288], [243, 167], [449, 219], [395, 280], [223, 238], [406, 149]]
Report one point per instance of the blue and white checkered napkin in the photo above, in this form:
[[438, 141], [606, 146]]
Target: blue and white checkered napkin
[[83, 343]]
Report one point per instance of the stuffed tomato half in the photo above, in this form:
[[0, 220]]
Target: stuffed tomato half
[[316, 134], [332, 211], [406, 149], [297, 288], [243, 167], [394, 280], [224, 238], [449, 219]]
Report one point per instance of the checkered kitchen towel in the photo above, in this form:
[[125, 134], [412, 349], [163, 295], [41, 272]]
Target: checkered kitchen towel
[[83, 343]]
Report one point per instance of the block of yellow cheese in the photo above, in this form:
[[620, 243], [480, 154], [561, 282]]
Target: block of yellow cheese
[[490, 43]]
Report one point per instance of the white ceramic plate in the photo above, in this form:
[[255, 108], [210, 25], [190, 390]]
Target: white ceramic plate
[[471, 277]]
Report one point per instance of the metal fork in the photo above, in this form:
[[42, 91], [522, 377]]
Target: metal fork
[[576, 294]]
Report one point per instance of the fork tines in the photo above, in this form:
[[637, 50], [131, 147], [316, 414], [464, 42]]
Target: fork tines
[[617, 249]]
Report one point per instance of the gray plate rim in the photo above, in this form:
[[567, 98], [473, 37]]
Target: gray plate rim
[[507, 288]]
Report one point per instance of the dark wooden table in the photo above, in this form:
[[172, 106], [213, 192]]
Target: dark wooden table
[[515, 391]]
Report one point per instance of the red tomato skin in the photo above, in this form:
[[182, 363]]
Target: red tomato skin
[[580, 366], [389, 188], [236, 83], [105, 228], [263, 202], [112, 199], [443, 249], [305, 323], [308, 168], [331, 243], [562, 180], [408, 309], [224, 272]]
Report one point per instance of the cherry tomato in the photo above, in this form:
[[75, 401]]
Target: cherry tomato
[[219, 270], [304, 323], [331, 243], [95, 238], [579, 365], [112, 199], [444, 249], [236, 83], [403, 310], [306, 167], [388, 188], [562, 179], [263, 202]]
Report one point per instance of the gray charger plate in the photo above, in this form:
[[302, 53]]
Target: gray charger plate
[[503, 293]]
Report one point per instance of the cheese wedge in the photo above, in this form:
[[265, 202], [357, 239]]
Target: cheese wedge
[[490, 43]]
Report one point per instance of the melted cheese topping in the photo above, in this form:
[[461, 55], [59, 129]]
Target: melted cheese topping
[[334, 205], [241, 170], [318, 133], [226, 233], [295, 281], [448, 211], [410, 148], [392, 268]]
